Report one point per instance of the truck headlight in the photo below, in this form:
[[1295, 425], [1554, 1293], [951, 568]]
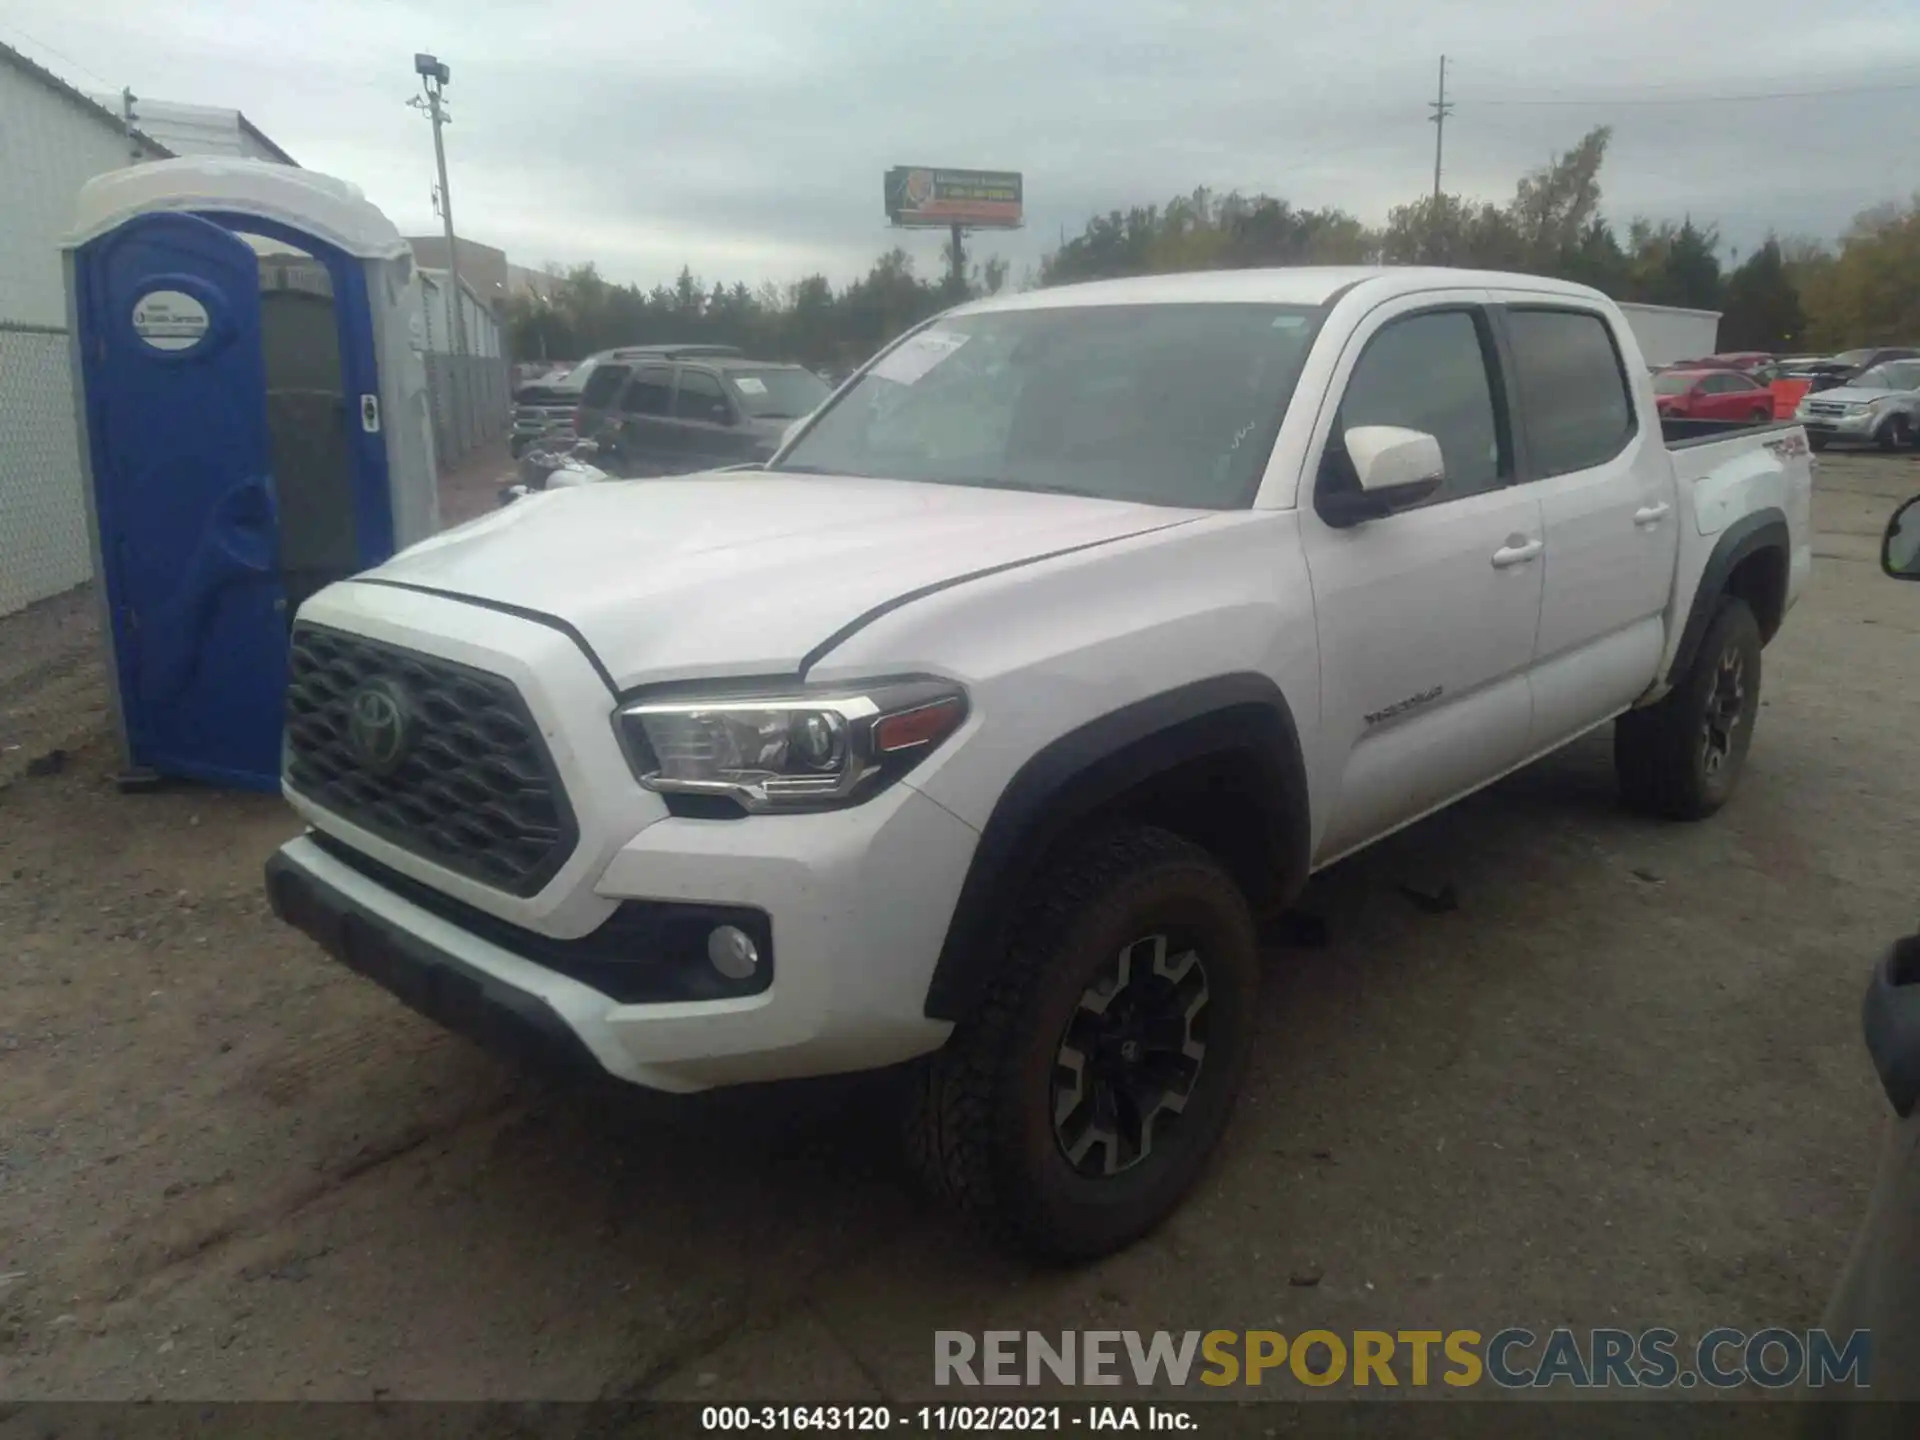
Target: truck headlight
[[788, 751]]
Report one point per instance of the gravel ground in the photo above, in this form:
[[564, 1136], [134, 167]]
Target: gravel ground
[[1621, 1083]]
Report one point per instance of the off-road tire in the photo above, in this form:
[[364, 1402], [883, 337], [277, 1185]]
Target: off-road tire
[[1660, 754], [981, 1125]]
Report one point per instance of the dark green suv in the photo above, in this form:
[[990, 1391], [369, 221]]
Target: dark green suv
[[672, 410]]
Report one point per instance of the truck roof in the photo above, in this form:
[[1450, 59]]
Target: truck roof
[[1291, 285]]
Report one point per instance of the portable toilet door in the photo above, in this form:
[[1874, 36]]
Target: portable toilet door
[[229, 350]]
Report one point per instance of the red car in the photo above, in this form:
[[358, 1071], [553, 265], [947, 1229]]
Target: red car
[[1711, 395]]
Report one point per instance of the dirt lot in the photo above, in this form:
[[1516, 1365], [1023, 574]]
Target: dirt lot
[[1621, 1084]]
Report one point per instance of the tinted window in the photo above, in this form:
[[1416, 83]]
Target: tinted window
[[1905, 374], [648, 393], [1429, 372], [602, 385], [778, 394], [1573, 392], [1160, 404], [1742, 383], [700, 398]]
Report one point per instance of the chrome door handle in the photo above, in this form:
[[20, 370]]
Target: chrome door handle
[[1516, 554], [1651, 514]]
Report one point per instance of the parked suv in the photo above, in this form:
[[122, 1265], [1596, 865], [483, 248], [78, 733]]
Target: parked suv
[[671, 411], [1849, 365], [552, 406]]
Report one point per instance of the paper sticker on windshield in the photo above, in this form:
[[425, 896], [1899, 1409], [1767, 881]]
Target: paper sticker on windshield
[[750, 384], [911, 359]]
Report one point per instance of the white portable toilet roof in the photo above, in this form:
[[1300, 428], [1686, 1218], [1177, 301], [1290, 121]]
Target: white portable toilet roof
[[326, 208]]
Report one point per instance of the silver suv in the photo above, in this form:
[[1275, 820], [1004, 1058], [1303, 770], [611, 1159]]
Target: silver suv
[[1881, 406]]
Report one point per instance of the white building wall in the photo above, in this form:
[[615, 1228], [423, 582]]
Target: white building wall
[[49, 147]]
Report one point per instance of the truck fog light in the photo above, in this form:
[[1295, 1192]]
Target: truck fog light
[[731, 951]]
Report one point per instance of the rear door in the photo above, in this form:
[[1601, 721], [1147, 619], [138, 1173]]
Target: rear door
[[1426, 617], [647, 440], [1605, 486]]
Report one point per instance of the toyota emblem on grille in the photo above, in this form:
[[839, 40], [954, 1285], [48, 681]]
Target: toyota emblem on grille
[[378, 726]]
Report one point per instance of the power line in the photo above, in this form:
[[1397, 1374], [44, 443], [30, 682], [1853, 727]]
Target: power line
[[1603, 100], [59, 55]]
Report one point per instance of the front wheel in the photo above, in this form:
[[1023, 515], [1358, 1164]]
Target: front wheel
[[1681, 758], [1070, 1112], [1896, 434], [1816, 441]]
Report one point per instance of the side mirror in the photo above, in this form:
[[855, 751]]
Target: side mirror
[[1400, 466], [1900, 547]]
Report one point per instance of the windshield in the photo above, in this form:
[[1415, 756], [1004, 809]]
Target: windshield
[[1160, 404], [1851, 357], [1673, 382], [1894, 375], [778, 394]]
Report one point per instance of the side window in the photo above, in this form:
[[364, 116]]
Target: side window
[[701, 398], [1718, 385], [648, 393], [1428, 372], [1574, 400], [602, 386]]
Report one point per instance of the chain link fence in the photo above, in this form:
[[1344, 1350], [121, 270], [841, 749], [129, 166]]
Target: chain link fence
[[43, 515], [467, 396]]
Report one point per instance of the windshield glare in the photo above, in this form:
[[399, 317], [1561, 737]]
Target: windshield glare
[[1159, 404], [785, 394]]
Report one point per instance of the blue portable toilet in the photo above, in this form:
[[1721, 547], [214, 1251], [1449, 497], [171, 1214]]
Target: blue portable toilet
[[253, 415]]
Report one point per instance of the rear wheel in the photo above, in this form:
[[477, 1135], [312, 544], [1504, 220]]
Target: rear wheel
[[1681, 758], [1760, 417], [1072, 1110]]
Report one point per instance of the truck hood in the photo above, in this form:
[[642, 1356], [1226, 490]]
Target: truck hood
[[745, 573]]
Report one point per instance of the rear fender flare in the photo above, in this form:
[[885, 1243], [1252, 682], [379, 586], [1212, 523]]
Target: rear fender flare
[[1763, 530]]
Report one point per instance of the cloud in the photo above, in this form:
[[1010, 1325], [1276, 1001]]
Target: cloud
[[747, 138]]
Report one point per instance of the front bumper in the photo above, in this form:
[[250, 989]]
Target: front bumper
[[1840, 427], [858, 899]]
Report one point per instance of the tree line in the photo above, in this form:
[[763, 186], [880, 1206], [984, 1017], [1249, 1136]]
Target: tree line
[[1790, 294]]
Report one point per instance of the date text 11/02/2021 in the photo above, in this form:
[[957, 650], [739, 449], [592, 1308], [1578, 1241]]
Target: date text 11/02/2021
[[948, 1419]]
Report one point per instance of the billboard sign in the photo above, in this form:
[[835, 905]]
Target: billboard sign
[[924, 195]]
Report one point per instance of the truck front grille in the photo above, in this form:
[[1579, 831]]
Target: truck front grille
[[436, 757]]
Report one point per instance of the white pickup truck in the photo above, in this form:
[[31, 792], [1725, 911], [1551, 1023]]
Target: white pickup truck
[[975, 730]]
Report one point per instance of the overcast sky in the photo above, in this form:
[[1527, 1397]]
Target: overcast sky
[[747, 137]]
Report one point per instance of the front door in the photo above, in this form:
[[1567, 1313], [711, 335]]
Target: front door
[[709, 432], [1426, 616], [176, 404]]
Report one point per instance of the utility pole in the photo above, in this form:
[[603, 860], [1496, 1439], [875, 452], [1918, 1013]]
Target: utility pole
[[1441, 109], [134, 154], [434, 75], [959, 258]]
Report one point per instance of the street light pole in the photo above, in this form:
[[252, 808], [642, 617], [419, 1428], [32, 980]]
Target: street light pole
[[434, 75]]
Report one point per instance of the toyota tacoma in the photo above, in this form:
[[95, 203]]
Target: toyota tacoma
[[975, 731]]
